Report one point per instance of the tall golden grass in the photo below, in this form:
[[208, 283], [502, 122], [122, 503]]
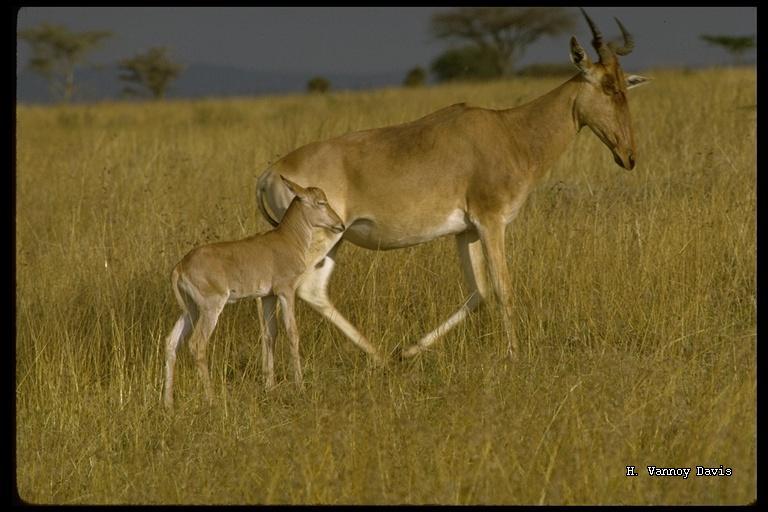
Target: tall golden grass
[[635, 296]]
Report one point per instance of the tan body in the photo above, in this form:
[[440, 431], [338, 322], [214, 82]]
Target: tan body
[[269, 266], [428, 157], [462, 170]]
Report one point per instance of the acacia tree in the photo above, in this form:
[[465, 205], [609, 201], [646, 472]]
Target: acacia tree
[[56, 52], [735, 45], [153, 70], [501, 33]]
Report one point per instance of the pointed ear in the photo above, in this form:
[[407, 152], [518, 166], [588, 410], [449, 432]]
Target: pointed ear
[[579, 57], [293, 187], [635, 80]]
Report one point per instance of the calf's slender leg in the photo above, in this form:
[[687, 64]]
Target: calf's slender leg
[[198, 342], [268, 334], [180, 330], [287, 302]]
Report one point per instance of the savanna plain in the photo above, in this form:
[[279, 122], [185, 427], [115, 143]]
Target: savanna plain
[[634, 292]]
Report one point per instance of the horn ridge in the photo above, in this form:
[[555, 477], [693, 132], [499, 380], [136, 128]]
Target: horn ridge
[[597, 38], [629, 41]]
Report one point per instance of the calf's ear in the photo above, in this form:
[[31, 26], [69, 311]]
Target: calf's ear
[[293, 187]]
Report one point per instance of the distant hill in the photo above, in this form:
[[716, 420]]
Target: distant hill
[[200, 80]]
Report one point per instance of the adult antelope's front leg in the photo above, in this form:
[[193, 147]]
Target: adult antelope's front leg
[[314, 290], [473, 268], [492, 237]]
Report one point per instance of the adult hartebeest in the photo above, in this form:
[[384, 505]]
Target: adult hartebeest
[[461, 170]]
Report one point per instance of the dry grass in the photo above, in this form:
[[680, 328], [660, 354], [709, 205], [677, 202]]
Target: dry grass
[[637, 315]]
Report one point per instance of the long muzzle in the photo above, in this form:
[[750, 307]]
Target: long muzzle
[[627, 162]]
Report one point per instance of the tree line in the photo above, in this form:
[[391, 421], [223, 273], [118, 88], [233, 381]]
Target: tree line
[[57, 52], [488, 42], [485, 43]]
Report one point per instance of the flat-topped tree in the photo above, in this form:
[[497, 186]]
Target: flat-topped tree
[[501, 32], [57, 51], [152, 70], [737, 46]]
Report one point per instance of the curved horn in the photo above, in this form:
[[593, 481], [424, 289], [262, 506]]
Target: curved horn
[[597, 38], [629, 42], [596, 35]]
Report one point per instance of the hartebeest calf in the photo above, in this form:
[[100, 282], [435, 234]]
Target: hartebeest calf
[[465, 171], [268, 265]]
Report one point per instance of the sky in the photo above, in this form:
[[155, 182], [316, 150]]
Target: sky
[[370, 39]]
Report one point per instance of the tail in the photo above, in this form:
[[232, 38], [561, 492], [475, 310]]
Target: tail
[[176, 290], [260, 186], [184, 299]]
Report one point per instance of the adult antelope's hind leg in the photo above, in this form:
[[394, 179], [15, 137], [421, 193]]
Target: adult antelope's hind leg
[[268, 334], [180, 330], [473, 268], [314, 290], [492, 238]]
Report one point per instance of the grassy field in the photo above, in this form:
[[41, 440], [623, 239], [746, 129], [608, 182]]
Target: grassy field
[[636, 314]]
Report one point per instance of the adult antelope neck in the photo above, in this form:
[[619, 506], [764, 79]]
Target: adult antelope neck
[[549, 123]]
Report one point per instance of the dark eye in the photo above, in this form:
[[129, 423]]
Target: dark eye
[[322, 203]]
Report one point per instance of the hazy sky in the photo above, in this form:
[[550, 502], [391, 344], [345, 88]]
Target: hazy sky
[[369, 39]]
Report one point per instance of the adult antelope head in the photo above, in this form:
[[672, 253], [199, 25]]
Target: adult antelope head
[[603, 106]]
